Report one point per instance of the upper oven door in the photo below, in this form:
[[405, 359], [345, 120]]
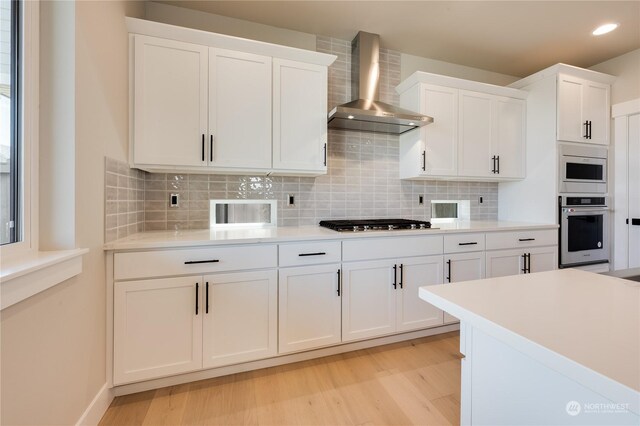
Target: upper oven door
[[583, 175]]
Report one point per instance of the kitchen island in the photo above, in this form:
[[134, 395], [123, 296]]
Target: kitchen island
[[557, 347]]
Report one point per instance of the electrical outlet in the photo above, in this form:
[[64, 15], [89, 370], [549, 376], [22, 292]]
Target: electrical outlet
[[291, 200], [421, 199], [174, 200]]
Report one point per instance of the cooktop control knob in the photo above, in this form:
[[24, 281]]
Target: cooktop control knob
[[413, 226], [355, 229], [391, 227], [423, 226]]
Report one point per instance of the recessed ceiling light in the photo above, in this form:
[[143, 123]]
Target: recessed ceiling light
[[350, 117], [412, 124], [603, 29]]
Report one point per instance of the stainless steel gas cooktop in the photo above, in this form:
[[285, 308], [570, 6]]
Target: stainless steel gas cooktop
[[374, 225]]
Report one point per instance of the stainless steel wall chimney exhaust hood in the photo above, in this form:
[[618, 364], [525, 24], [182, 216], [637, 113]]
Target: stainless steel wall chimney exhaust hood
[[366, 112]]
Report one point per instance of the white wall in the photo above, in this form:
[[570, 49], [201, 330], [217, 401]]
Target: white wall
[[224, 25], [174, 15], [627, 68], [53, 344], [410, 64]]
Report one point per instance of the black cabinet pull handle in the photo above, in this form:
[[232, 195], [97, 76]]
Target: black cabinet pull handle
[[401, 275], [498, 161], [203, 147], [586, 130], [339, 279], [524, 263], [529, 263], [211, 148], [195, 262], [526, 239], [635, 221], [325, 154], [467, 244], [206, 300], [197, 292], [589, 129], [424, 161], [395, 273], [449, 270], [320, 253], [493, 164]]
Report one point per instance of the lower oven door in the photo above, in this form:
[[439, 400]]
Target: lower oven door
[[584, 236]]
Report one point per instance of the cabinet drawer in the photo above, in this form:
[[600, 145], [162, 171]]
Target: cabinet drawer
[[193, 261], [517, 239], [391, 247], [460, 243], [311, 253]]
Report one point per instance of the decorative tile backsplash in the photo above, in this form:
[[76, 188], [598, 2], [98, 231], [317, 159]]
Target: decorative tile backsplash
[[123, 200], [362, 180]]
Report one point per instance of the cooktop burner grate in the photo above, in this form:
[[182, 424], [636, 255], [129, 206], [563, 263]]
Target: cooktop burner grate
[[374, 224]]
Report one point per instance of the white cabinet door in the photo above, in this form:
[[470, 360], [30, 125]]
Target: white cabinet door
[[596, 110], [240, 317], [169, 102], [581, 101], [463, 267], [501, 263], [412, 312], [509, 141], [543, 259], [299, 116], [309, 307], [239, 110], [440, 138], [475, 146], [157, 331], [368, 299], [571, 126]]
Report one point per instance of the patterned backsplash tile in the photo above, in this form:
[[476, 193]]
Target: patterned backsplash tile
[[362, 180]]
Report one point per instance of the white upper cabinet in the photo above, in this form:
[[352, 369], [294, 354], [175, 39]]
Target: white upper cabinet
[[476, 152], [583, 110], [169, 102], [239, 110], [478, 130], [432, 150], [212, 103], [299, 116], [509, 142]]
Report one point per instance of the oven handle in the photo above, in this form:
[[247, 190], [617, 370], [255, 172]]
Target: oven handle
[[579, 210]]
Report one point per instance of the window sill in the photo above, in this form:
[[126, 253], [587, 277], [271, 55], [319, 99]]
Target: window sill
[[29, 275]]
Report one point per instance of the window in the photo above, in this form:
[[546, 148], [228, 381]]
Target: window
[[10, 124]]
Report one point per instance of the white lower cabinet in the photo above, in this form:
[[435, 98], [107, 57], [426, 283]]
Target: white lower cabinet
[[381, 297], [170, 326], [157, 331], [412, 312], [463, 267], [309, 307], [240, 320], [502, 263]]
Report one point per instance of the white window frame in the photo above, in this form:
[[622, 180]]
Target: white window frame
[[30, 77]]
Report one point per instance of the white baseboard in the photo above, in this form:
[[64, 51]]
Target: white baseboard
[[98, 406]]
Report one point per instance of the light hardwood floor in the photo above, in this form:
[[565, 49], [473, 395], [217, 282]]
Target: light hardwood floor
[[413, 382]]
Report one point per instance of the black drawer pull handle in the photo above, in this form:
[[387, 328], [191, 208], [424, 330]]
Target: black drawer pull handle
[[448, 270], [526, 239], [195, 262], [467, 244], [320, 253], [635, 221], [339, 281]]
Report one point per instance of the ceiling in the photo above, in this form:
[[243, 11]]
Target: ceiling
[[510, 37]]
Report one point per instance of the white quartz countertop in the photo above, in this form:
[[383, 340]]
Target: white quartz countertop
[[584, 325], [204, 237]]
